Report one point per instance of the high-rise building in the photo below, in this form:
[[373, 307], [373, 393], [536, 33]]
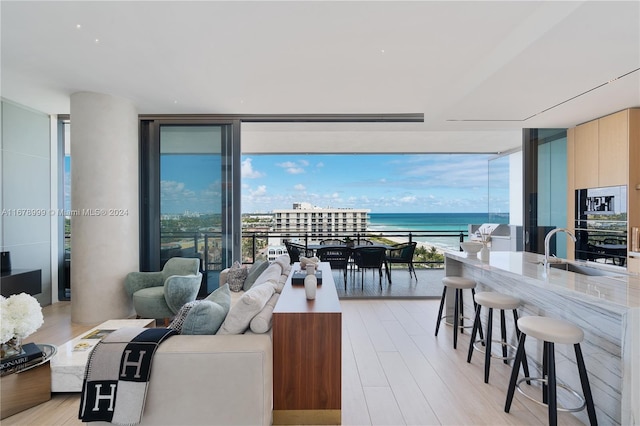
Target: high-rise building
[[319, 223]]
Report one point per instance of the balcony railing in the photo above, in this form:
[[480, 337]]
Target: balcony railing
[[255, 243], [207, 246]]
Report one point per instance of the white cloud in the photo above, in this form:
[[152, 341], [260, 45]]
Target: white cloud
[[410, 199], [292, 167], [247, 171], [172, 190], [212, 191], [261, 191], [171, 186], [299, 187], [287, 164]]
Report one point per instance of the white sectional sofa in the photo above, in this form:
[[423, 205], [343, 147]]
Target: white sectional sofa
[[211, 380], [215, 379]]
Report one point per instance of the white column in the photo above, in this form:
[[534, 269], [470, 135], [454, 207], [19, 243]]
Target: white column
[[104, 199]]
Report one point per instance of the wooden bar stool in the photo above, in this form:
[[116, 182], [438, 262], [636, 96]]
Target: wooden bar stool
[[459, 284], [493, 300], [551, 331]]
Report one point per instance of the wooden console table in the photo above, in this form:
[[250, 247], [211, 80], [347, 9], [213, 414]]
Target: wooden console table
[[307, 354]]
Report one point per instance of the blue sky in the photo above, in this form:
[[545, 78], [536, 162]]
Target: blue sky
[[190, 183], [390, 183]]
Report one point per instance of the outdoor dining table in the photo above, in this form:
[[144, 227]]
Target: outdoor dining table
[[315, 247]]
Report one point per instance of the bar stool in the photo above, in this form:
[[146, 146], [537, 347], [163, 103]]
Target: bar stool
[[459, 284], [551, 331], [493, 300]]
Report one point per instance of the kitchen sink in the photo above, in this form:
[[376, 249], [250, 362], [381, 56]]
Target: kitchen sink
[[584, 270]]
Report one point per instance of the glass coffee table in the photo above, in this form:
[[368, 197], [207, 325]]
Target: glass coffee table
[[70, 361]]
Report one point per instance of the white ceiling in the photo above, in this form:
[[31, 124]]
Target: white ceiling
[[480, 71]]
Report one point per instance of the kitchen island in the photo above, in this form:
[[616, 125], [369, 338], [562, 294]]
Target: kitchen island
[[607, 308]]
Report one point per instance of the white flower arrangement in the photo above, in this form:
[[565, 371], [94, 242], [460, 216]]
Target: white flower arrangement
[[21, 315]]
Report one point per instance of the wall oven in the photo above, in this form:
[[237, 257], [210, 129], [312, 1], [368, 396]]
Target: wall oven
[[601, 224]]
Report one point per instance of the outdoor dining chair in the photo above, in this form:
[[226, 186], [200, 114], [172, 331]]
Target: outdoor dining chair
[[296, 250], [402, 253], [369, 258], [332, 242], [338, 258]]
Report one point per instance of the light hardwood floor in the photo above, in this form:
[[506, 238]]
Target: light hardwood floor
[[394, 372]]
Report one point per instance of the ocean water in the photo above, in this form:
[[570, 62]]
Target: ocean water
[[433, 222]]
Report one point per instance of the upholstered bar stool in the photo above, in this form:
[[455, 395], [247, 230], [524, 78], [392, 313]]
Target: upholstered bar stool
[[459, 284], [551, 331], [493, 300]]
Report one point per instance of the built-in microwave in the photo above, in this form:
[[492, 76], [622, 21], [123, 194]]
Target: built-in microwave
[[601, 224]]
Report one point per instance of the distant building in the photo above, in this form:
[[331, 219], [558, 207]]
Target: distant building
[[275, 251], [318, 222]]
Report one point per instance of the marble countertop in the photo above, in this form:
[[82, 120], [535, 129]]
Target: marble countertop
[[618, 292]]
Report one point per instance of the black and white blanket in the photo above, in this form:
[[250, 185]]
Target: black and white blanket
[[117, 375]]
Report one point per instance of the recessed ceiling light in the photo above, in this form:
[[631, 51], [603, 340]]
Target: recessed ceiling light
[[382, 51], [175, 101], [78, 26], [96, 41]]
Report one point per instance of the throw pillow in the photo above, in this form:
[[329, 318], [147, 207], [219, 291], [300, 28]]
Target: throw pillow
[[178, 320], [284, 261], [246, 308], [236, 276], [261, 323], [207, 316], [254, 272], [221, 296], [272, 273]]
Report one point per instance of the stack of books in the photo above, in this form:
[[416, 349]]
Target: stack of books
[[31, 355]]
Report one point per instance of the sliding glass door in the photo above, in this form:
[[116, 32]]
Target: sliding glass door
[[188, 200]]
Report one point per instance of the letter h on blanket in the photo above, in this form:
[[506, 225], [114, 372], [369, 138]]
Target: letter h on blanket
[[117, 375]]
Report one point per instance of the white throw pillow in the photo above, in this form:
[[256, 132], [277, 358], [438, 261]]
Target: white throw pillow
[[261, 323], [249, 305], [284, 261], [272, 273]]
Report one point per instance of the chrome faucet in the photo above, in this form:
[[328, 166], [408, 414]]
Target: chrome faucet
[[548, 238]]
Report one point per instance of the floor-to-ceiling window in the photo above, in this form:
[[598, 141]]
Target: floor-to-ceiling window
[[545, 188], [63, 213], [190, 194], [187, 195]]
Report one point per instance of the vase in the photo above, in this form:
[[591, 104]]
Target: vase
[[484, 254], [11, 347], [310, 283]]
